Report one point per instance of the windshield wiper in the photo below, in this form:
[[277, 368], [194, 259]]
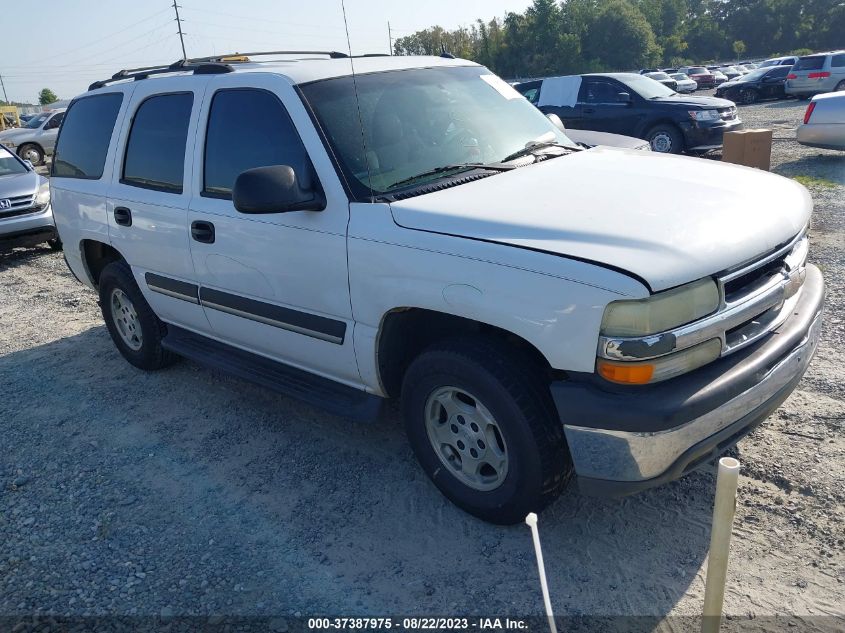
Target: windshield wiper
[[533, 147], [457, 168]]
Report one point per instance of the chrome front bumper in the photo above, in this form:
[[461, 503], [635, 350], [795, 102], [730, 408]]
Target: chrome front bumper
[[616, 459]]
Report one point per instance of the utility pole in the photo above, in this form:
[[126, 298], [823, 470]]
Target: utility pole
[[5, 96], [179, 24], [390, 37]]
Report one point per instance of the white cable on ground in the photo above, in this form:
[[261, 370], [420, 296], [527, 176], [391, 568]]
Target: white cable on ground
[[531, 521], [724, 509]]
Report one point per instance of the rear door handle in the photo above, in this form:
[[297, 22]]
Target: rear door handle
[[202, 231], [123, 216]]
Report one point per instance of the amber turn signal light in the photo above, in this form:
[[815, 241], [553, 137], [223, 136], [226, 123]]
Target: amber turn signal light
[[626, 373]]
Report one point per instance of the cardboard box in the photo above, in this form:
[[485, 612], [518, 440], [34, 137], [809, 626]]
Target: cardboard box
[[748, 147]]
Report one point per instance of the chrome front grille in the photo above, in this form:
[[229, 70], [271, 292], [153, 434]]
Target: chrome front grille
[[19, 205], [755, 298], [760, 291]]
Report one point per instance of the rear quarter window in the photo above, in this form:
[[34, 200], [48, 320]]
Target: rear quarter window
[[85, 134], [838, 61]]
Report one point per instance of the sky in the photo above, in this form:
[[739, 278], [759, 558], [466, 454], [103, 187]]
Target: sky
[[65, 45]]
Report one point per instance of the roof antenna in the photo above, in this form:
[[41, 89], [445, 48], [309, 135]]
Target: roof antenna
[[358, 103]]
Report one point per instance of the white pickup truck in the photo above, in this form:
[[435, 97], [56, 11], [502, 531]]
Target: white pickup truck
[[419, 230]]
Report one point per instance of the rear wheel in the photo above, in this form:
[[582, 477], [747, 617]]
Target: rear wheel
[[666, 139], [482, 425], [32, 153], [840, 87], [134, 328]]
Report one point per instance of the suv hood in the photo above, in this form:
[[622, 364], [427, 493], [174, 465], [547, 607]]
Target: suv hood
[[19, 184], [700, 101], [14, 133], [625, 209]]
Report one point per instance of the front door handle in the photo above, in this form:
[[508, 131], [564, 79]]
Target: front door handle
[[123, 216], [202, 231]]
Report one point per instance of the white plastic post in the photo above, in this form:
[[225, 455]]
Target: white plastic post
[[531, 521], [724, 509]]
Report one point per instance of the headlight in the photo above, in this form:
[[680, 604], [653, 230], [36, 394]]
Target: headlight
[[704, 115], [662, 311], [42, 198], [662, 368]]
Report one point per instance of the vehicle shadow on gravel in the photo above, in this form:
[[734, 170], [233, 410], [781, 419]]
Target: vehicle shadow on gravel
[[12, 256], [826, 168], [214, 496]]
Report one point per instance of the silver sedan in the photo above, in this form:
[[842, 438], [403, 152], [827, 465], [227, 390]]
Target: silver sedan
[[824, 122]]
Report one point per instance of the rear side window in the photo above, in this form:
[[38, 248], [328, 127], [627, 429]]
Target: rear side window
[[155, 153], [838, 61], [248, 128], [809, 63], [780, 71], [85, 134]]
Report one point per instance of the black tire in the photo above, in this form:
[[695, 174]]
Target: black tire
[[151, 355], [666, 137], [55, 243], [840, 87], [747, 96], [30, 151], [518, 398]]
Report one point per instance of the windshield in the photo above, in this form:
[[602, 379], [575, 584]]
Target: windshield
[[416, 121], [646, 87], [680, 77], [754, 75], [657, 76], [697, 70], [9, 164], [37, 121]]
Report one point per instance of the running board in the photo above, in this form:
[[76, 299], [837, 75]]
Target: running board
[[326, 394]]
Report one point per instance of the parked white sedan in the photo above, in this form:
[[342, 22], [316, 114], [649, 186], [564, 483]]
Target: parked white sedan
[[685, 84], [824, 122]]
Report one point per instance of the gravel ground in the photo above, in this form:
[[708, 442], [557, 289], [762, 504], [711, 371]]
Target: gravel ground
[[191, 492]]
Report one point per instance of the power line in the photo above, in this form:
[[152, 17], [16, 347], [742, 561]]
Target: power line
[[181, 35]]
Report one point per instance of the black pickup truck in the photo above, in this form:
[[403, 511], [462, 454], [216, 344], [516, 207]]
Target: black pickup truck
[[635, 105]]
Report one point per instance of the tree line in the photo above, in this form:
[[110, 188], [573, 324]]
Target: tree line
[[575, 36]]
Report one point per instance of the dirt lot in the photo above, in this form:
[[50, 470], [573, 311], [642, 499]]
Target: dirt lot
[[190, 492]]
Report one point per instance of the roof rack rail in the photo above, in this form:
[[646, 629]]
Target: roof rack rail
[[199, 67], [230, 56]]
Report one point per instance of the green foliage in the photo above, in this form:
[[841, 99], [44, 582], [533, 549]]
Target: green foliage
[[47, 96], [575, 36]]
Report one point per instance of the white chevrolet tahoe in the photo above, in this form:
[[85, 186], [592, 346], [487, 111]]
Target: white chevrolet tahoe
[[418, 230]]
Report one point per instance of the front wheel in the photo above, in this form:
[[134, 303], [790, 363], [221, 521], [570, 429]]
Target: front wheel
[[32, 153], [134, 328], [747, 96], [482, 425], [665, 139]]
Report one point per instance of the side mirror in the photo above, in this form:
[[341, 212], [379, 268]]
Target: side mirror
[[274, 189], [623, 97], [555, 119]]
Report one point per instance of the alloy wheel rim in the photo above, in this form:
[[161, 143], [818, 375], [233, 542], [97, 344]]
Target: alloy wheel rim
[[466, 438], [31, 155], [661, 142], [126, 320]]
